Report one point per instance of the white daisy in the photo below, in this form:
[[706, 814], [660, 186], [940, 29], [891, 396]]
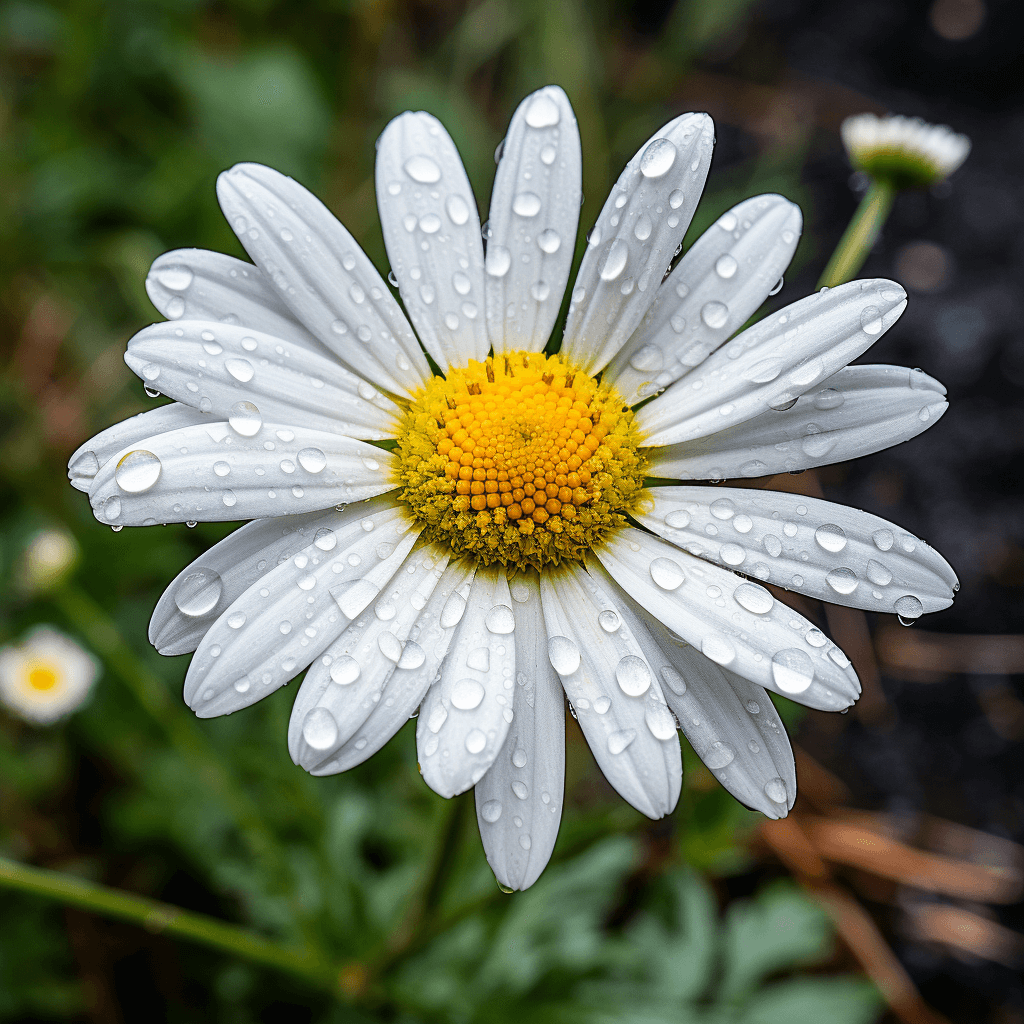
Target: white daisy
[[506, 548], [47, 559], [45, 677], [908, 152]]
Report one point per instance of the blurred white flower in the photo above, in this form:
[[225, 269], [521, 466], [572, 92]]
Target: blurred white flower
[[906, 151], [48, 558], [46, 676]]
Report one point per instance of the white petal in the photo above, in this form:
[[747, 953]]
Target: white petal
[[715, 288], [210, 366], [202, 590], [730, 722], [290, 616], [197, 284], [711, 609], [616, 696], [432, 235], [99, 450], [346, 684], [857, 411], [819, 549], [635, 238], [212, 473], [519, 800], [421, 659], [322, 275], [775, 361], [466, 713], [534, 214]]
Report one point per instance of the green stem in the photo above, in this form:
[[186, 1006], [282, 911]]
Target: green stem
[[179, 726], [860, 235], [164, 918]]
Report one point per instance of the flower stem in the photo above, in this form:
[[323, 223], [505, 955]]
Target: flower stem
[[164, 918], [179, 727], [860, 235]]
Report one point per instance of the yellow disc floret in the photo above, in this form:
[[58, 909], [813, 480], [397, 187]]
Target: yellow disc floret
[[521, 459]]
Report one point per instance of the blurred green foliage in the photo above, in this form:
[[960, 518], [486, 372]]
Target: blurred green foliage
[[115, 118]]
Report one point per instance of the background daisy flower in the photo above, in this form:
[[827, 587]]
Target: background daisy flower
[[507, 548]]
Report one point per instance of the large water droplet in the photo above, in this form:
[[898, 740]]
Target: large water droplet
[[647, 359], [718, 649], [726, 266], [241, 369], [613, 261], [775, 790], [830, 537], [643, 227], [475, 741], [312, 460], [563, 654], [658, 158], [792, 670], [878, 574], [667, 573], [498, 260], [542, 112], [718, 755], [908, 608], [633, 676], [319, 729], [344, 670], [673, 680], [490, 811], [842, 580], [198, 593], [754, 598], [828, 398], [548, 154], [422, 169], [245, 419], [138, 471], [458, 211], [678, 519], [454, 609], [618, 741], [883, 539], [526, 204], [871, 320], [177, 277], [609, 620], [500, 619], [549, 240], [714, 314], [521, 790], [732, 554], [467, 694], [660, 721]]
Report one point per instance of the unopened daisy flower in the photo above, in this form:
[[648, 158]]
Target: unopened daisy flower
[[505, 550], [46, 676], [905, 151]]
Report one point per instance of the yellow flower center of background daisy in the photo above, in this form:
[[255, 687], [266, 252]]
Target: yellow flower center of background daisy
[[522, 459], [42, 677]]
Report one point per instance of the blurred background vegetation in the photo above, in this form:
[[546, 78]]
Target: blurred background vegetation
[[115, 119]]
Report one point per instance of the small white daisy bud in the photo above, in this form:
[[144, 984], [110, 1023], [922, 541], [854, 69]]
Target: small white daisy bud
[[46, 677], [905, 152], [48, 558]]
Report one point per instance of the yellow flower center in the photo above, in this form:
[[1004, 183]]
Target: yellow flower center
[[42, 677], [522, 459]]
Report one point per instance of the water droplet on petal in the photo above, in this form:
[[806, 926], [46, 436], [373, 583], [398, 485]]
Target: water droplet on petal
[[198, 593], [754, 598], [458, 211], [563, 654], [667, 573], [454, 609], [908, 608], [319, 729], [497, 260], [828, 398], [878, 574], [467, 694], [753, 707], [658, 158], [660, 721], [549, 240], [732, 554], [871, 320], [618, 741], [792, 670], [718, 649], [643, 227], [312, 460], [422, 169], [500, 619], [613, 261], [830, 537], [726, 266], [475, 741], [883, 539], [177, 277], [491, 812], [714, 314], [718, 755], [609, 620], [842, 580], [138, 471], [526, 204], [241, 369], [775, 790], [633, 676], [245, 419]]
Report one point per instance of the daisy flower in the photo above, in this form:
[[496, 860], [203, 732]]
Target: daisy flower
[[908, 152], [448, 518], [45, 677]]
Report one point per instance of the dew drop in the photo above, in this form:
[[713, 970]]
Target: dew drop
[[830, 537], [660, 721], [753, 707], [828, 398], [714, 314], [312, 460], [842, 580], [792, 670], [491, 812], [732, 554], [777, 287], [657, 159], [245, 419], [718, 755], [198, 593], [241, 369], [718, 649], [618, 741], [319, 729], [454, 609], [467, 694], [643, 227], [497, 261], [549, 240], [548, 154], [878, 574], [609, 620], [138, 471], [633, 676], [613, 261], [667, 573], [422, 169], [526, 204], [543, 112], [726, 266], [177, 277], [883, 539], [500, 619], [754, 598], [563, 654], [908, 608], [775, 790], [475, 741], [871, 320], [647, 359]]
